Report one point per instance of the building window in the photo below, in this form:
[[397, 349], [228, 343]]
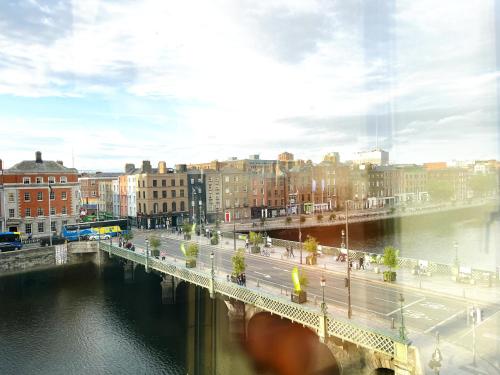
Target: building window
[[39, 211], [39, 180], [26, 180], [52, 180], [182, 206], [11, 212], [172, 182], [174, 207], [163, 183], [181, 182], [192, 181], [27, 197], [52, 210], [173, 193], [165, 207], [143, 195], [182, 193], [11, 197], [155, 194], [65, 222], [93, 194], [39, 196], [27, 228], [53, 195], [164, 194], [155, 183], [63, 179], [63, 196], [27, 212], [63, 210], [53, 226], [40, 228]]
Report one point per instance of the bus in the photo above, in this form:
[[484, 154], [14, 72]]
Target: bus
[[10, 241], [113, 228]]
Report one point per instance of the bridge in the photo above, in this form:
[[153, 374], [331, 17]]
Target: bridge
[[379, 348]]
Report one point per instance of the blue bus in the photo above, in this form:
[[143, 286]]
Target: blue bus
[[113, 228], [10, 241]]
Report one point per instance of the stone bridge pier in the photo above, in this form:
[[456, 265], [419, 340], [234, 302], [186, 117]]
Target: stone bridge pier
[[168, 289]]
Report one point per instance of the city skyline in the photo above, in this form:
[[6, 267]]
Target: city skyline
[[128, 81]]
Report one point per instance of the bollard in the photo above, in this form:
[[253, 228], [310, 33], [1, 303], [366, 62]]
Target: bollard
[[392, 323], [315, 301], [258, 284]]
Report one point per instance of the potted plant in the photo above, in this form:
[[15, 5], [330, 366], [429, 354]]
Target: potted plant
[[332, 217], [311, 246], [302, 219], [187, 229], [238, 260], [319, 217], [191, 254], [299, 280], [215, 238], [155, 243], [255, 240], [391, 262], [288, 220]]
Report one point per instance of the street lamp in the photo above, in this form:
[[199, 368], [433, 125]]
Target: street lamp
[[147, 254], [402, 330], [50, 217], [323, 303], [455, 245], [348, 281], [212, 262]]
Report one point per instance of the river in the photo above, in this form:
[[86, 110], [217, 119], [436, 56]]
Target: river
[[76, 320], [429, 237]]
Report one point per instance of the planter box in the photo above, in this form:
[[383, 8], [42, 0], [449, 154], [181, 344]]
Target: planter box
[[311, 260], [389, 276], [213, 241], [190, 263], [255, 249], [300, 297]]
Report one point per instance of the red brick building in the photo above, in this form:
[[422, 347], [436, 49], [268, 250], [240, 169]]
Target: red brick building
[[38, 197]]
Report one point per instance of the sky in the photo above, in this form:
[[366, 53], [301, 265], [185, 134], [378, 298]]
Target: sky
[[101, 83]]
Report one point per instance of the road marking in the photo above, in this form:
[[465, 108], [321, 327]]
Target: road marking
[[404, 307], [492, 336], [478, 325], [386, 300], [263, 274], [280, 269], [444, 321]]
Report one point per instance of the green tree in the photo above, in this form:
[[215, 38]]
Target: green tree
[[128, 236], [238, 260], [391, 257], [192, 251], [288, 220], [155, 243], [332, 217], [311, 245], [440, 190], [187, 228], [319, 217], [483, 184], [215, 238], [255, 238]]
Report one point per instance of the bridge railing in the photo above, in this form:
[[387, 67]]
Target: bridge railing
[[367, 337]]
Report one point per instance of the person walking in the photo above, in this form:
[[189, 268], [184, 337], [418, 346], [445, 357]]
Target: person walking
[[291, 252], [246, 243], [362, 263]]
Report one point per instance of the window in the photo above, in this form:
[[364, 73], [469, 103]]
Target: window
[[155, 194], [155, 183], [52, 210], [27, 228], [163, 183], [39, 211], [164, 194], [11, 212], [93, 194], [174, 207], [172, 182], [39, 196], [182, 205], [226, 179], [39, 180], [26, 180], [165, 207], [65, 222], [63, 179], [182, 193], [63, 210], [63, 196], [143, 183], [41, 228], [143, 195], [172, 193], [11, 198], [53, 195], [53, 226], [27, 197], [192, 181], [27, 212], [52, 180], [181, 182]]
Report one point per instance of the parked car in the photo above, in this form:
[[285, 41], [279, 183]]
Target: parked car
[[56, 240], [95, 237]]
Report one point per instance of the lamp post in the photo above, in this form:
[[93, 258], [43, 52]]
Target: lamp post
[[147, 254], [49, 188], [324, 309], [212, 256], [455, 246], [349, 308], [402, 329], [300, 227]]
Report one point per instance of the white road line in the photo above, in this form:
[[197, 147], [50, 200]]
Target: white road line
[[444, 321], [404, 307], [491, 336], [263, 274], [280, 269], [386, 300], [478, 325]]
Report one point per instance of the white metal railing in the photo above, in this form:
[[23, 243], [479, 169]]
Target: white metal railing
[[367, 337]]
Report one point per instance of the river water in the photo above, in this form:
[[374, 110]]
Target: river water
[[429, 237], [77, 321]]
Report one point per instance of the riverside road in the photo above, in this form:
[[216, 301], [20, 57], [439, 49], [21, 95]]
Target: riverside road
[[372, 302]]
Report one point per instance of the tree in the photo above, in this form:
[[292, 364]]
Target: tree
[[215, 238], [332, 217], [187, 228], [440, 190], [288, 220], [155, 243], [192, 251], [311, 245], [391, 262], [128, 236], [255, 240], [238, 260], [319, 217]]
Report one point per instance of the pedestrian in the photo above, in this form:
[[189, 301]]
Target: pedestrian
[[246, 243], [244, 279], [362, 263], [291, 251]]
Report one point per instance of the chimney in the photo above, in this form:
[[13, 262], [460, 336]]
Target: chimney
[[179, 168], [146, 166], [60, 162], [129, 167], [162, 167], [38, 157]]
